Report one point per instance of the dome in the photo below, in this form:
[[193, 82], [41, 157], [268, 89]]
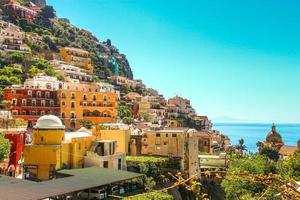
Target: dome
[[49, 122], [273, 136]]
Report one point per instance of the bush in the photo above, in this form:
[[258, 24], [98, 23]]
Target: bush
[[4, 147]]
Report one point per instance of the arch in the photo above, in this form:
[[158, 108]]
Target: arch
[[11, 170], [96, 113], [86, 113]]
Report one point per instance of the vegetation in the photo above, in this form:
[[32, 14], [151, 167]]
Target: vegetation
[[4, 147], [257, 176], [125, 113], [270, 153], [152, 196], [154, 167]]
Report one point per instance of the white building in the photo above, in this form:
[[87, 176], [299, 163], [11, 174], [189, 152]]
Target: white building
[[43, 82]]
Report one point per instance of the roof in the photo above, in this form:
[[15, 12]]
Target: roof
[[76, 49], [79, 179], [70, 135], [49, 122], [287, 150]]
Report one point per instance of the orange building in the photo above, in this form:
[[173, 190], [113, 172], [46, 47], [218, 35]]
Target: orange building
[[77, 57], [84, 102]]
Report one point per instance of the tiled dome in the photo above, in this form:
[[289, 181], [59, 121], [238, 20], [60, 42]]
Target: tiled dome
[[273, 136]]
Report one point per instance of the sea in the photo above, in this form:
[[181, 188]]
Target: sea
[[254, 132]]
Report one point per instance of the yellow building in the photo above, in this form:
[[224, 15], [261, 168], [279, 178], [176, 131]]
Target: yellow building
[[76, 57], [119, 133], [53, 149], [181, 143], [103, 153], [81, 102]]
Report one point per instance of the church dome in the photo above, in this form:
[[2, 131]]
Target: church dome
[[49, 122], [273, 136]]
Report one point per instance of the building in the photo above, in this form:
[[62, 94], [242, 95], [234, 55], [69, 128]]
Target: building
[[77, 57], [29, 103], [10, 36], [123, 81], [16, 11], [115, 132], [17, 138], [43, 82], [66, 150], [179, 143], [72, 73], [273, 139], [179, 107], [103, 153], [85, 102]]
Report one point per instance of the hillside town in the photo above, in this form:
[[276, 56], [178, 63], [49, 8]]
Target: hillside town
[[77, 131]]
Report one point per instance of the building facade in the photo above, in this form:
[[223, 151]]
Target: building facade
[[31, 103], [80, 102], [77, 57]]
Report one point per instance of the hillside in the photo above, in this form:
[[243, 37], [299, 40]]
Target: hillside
[[47, 33]]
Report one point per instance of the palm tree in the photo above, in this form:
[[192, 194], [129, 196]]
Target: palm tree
[[241, 147]]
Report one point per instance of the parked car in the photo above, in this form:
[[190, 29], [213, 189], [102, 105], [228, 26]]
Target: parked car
[[94, 194]]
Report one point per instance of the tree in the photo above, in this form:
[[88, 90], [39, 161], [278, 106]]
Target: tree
[[290, 168], [14, 80], [127, 120], [236, 187], [271, 153], [4, 147], [34, 71], [4, 80], [241, 147]]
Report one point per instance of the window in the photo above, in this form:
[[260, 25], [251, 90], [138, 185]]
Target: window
[[63, 95], [33, 103], [119, 164], [63, 115], [39, 94], [167, 135], [51, 103], [157, 134], [14, 102], [94, 97], [29, 93], [43, 103], [94, 104], [24, 102], [174, 135], [42, 139], [72, 104], [84, 103], [105, 164], [47, 95], [63, 103], [105, 98], [13, 91], [84, 97], [14, 112], [33, 112], [72, 115], [42, 113], [73, 96]]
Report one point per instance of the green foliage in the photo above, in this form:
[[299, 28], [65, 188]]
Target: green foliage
[[14, 80], [290, 167], [124, 111], [33, 71], [4, 147], [17, 57], [155, 167], [271, 153], [87, 124], [128, 120], [43, 18], [236, 187], [153, 196]]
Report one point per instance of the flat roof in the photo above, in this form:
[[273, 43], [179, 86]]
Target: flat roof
[[78, 179]]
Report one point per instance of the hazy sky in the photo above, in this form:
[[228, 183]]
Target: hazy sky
[[234, 58]]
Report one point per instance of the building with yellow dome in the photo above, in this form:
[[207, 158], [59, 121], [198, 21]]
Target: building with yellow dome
[[52, 149], [274, 139]]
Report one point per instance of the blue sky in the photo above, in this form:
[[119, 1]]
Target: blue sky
[[231, 58]]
